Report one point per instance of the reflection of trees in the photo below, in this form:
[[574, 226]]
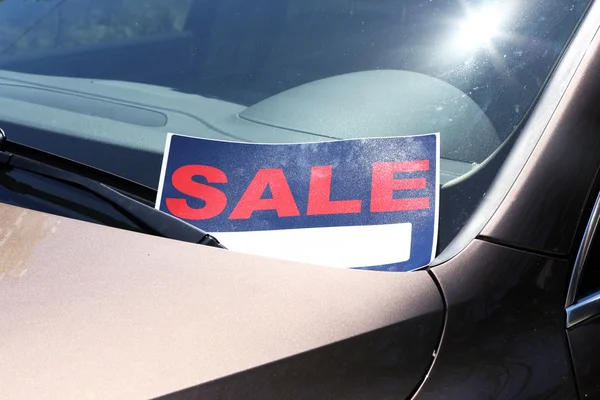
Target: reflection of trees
[[75, 23]]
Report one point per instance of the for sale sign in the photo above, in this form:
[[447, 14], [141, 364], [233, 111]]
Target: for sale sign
[[363, 203]]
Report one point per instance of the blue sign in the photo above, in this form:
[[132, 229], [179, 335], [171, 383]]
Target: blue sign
[[361, 203]]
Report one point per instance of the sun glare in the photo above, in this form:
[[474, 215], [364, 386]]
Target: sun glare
[[479, 29]]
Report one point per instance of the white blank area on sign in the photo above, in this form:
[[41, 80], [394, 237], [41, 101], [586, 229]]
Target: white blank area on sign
[[339, 247]]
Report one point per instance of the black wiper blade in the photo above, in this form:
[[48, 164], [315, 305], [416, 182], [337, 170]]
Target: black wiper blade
[[133, 189], [70, 172]]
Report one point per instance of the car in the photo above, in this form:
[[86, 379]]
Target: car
[[105, 294]]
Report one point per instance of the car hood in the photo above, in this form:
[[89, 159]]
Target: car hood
[[96, 312]]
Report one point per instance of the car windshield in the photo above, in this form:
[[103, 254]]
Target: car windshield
[[103, 81]]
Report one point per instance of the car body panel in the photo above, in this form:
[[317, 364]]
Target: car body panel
[[97, 312], [505, 336], [583, 340], [375, 365], [504, 339]]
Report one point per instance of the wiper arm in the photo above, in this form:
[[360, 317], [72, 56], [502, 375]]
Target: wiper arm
[[76, 174]]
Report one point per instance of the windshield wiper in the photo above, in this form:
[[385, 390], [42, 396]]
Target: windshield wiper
[[107, 187]]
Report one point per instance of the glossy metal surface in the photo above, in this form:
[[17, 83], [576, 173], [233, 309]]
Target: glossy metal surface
[[505, 334], [585, 348], [582, 253], [545, 204], [376, 365], [583, 310], [96, 312]]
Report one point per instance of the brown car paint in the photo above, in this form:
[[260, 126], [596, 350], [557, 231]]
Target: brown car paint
[[95, 312]]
